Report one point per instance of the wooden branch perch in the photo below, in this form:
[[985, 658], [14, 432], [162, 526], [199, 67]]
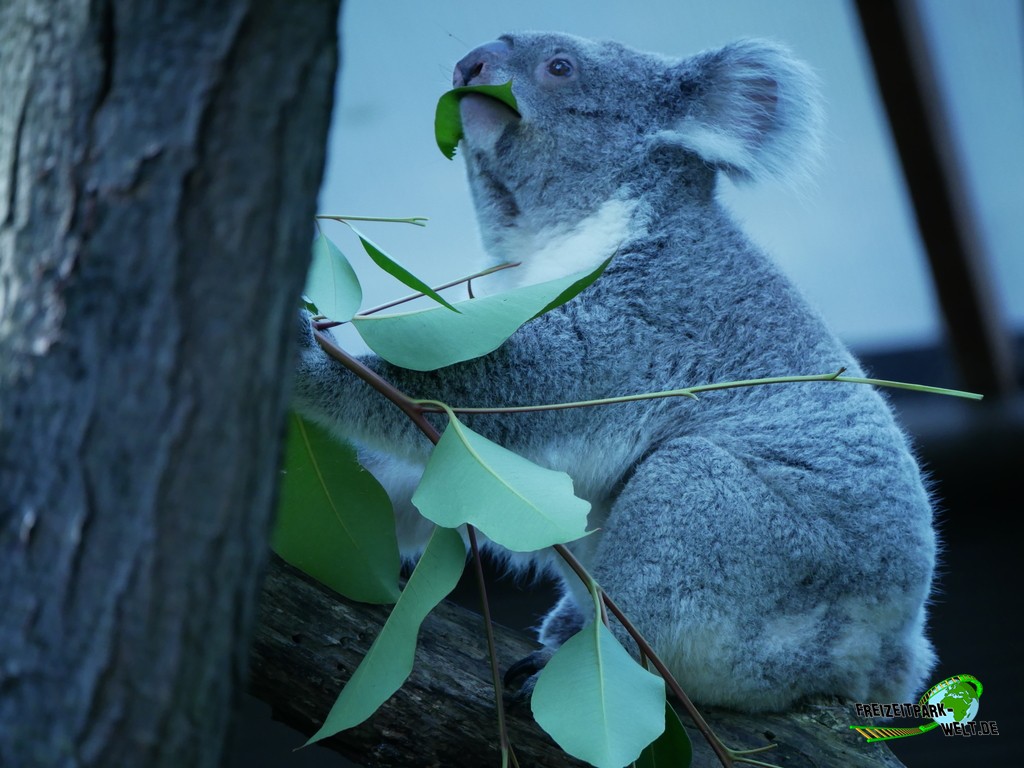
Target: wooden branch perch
[[309, 641]]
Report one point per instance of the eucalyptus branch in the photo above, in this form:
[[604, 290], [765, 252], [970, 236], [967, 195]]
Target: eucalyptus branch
[[419, 221], [692, 393], [386, 388]]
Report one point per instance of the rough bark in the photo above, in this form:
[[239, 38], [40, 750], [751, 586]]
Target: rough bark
[[159, 166], [309, 641]]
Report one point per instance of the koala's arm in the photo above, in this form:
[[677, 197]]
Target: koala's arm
[[329, 394]]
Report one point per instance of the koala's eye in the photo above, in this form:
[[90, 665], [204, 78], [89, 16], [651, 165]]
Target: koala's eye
[[560, 67]]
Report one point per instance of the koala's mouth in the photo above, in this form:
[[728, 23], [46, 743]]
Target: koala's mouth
[[482, 111]]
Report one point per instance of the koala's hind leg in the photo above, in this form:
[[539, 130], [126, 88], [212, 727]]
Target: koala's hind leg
[[723, 578]]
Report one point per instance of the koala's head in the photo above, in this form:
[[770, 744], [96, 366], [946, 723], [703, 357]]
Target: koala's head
[[598, 120]]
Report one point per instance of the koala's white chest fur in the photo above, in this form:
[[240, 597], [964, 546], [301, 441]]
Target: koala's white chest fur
[[556, 252]]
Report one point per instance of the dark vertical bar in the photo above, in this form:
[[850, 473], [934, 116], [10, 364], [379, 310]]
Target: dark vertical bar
[[907, 83]]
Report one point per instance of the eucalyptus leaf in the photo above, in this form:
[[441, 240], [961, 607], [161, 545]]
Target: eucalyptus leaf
[[332, 283], [427, 339], [670, 750], [597, 702], [584, 281], [514, 502], [399, 272], [389, 661], [335, 520], [448, 121]]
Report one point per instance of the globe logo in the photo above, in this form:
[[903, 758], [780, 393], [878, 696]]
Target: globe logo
[[958, 696], [952, 705]]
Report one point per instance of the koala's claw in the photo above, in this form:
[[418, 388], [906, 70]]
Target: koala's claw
[[521, 678], [520, 697], [525, 667]]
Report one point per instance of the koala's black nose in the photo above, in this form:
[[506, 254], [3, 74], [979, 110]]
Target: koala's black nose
[[477, 66]]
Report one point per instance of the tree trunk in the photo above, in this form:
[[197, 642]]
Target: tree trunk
[[159, 166], [309, 641]]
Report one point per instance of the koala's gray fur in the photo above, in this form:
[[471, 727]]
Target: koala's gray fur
[[773, 542]]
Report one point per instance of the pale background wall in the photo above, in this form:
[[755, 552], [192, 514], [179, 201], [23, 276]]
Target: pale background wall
[[848, 239]]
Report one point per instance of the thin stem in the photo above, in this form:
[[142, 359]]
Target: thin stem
[[451, 284], [595, 593], [419, 221], [914, 387], [691, 392], [489, 633], [432, 406]]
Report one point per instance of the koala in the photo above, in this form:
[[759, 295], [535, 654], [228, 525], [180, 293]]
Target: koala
[[773, 543]]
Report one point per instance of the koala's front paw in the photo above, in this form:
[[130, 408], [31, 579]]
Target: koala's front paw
[[521, 678]]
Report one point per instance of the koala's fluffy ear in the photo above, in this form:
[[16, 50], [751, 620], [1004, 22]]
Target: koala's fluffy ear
[[749, 108]]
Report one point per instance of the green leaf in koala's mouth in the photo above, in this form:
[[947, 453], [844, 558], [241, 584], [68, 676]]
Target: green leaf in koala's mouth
[[448, 121]]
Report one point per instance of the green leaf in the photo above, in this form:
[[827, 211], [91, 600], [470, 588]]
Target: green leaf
[[448, 121], [427, 339], [335, 520], [389, 661], [399, 272], [516, 503], [585, 281], [597, 702], [332, 283], [670, 750]]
